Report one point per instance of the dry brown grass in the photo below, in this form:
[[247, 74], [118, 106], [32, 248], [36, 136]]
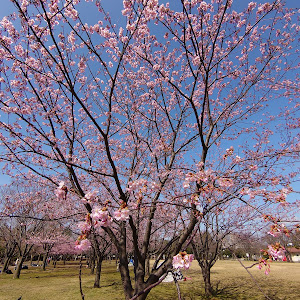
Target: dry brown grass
[[230, 280]]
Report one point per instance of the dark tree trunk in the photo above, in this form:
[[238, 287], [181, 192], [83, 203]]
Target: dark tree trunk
[[22, 258], [45, 257], [92, 261], [206, 277], [98, 271], [142, 287], [147, 266], [124, 271], [9, 254], [6, 263], [143, 296], [92, 266]]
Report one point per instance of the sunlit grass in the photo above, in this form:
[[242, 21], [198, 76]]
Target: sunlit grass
[[228, 277]]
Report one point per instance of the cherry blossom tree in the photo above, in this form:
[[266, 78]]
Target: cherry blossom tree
[[214, 235], [104, 247], [19, 211], [24, 213], [140, 122], [8, 243], [63, 251], [50, 235]]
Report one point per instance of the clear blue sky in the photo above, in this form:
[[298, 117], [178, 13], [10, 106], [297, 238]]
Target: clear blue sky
[[114, 6]]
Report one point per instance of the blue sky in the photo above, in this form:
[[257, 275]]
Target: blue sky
[[116, 5]]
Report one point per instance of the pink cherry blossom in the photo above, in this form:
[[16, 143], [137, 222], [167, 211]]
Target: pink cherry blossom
[[264, 263], [90, 196], [182, 260], [61, 191], [101, 217], [277, 252], [251, 6], [84, 227], [105, 222], [122, 214], [140, 184], [82, 245], [186, 185]]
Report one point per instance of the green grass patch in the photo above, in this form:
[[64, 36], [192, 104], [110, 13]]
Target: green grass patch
[[229, 279]]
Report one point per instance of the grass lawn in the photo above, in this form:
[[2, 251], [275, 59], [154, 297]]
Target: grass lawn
[[228, 277]]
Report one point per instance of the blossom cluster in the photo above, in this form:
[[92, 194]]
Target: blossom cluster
[[82, 244], [277, 230], [101, 217], [85, 227], [209, 180], [122, 214], [264, 263], [229, 152], [90, 196], [61, 191], [200, 176], [277, 252], [143, 185], [182, 260], [139, 184], [273, 252]]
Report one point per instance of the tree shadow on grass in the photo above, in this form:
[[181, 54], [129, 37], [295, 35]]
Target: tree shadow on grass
[[232, 291], [236, 291], [229, 292], [111, 284]]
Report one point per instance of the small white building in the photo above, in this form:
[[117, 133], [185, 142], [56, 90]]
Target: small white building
[[295, 253]]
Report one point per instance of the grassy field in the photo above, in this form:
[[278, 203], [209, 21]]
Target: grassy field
[[228, 277]]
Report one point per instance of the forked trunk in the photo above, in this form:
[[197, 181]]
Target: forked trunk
[[9, 254], [140, 286], [19, 267]]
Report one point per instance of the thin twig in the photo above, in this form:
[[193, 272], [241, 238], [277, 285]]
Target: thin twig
[[255, 281], [177, 287], [251, 266], [40, 219], [80, 286]]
